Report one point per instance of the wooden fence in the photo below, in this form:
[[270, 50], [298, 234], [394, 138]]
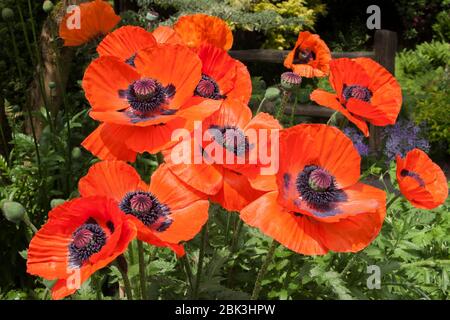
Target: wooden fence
[[384, 48]]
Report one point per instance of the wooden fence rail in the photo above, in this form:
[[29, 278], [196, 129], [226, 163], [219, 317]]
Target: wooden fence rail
[[385, 46]]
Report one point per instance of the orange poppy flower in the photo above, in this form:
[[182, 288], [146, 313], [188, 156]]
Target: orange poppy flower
[[165, 212], [365, 91], [218, 164], [319, 205], [310, 56], [165, 34], [198, 29], [125, 42], [86, 22], [223, 78], [421, 180], [80, 237], [140, 107]]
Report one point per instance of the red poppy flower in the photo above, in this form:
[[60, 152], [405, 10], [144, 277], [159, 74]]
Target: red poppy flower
[[198, 29], [125, 42], [421, 180], [80, 237], [140, 107], [218, 163], [165, 212], [319, 205], [86, 22], [310, 56], [365, 91]]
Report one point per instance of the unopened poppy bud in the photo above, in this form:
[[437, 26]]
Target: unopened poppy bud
[[76, 153], [7, 14], [52, 85], [47, 6], [290, 80], [272, 93], [56, 202], [13, 211]]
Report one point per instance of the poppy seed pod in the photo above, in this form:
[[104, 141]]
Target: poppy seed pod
[[13, 211], [56, 202], [290, 80], [272, 93], [52, 85], [7, 14], [47, 6], [76, 153]]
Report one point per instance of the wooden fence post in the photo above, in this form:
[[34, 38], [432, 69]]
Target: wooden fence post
[[385, 47]]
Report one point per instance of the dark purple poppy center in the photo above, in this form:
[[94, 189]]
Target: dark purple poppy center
[[231, 138], [303, 56], [318, 188], [87, 240], [414, 175], [147, 96], [147, 208], [130, 60], [208, 88], [357, 92]]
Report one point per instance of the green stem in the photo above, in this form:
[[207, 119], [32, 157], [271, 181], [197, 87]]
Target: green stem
[[332, 117], [142, 276], [29, 224], [263, 270], [350, 263], [188, 270], [284, 101], [126, 282], [294, 107], [204, 236], [391, 202], [260, 105], [25, 33]]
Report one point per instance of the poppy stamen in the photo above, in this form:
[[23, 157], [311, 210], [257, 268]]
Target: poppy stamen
[[87, 240], [318, 188], [414, 175], [147, 208], [208, 88], [357, 92], [147, 96], [303, 56], [232, 139]]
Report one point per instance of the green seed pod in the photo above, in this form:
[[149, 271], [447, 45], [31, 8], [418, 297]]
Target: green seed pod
[[47, 6], [272, 93], [13, 211], [52, 85], [7, 14], [76, 153], [56, 202]]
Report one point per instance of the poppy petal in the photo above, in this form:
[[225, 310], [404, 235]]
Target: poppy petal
[[177, 65], [112, 179], [124, 42], [104, 79], [107, 143], [296, 233], [165, 34]]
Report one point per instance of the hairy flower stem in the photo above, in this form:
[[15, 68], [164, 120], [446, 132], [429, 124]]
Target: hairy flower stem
[[332, 118], [260, 105], [29, 224], [16, 51], [201, 258], [263, 270], [142, 276], [284, 100], [188, 271], [292, 119], [121, 263]]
